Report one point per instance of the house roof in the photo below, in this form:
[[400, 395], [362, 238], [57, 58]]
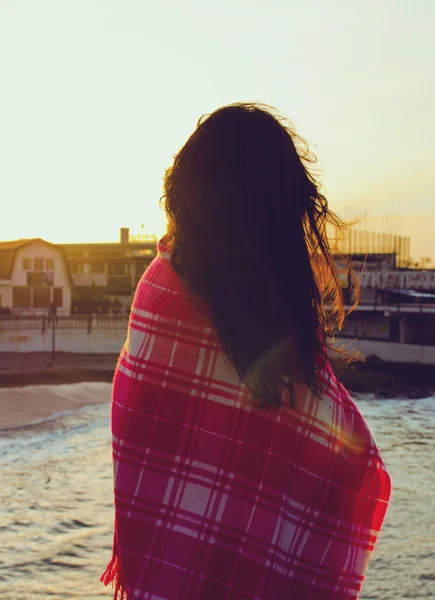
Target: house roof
[[7, 257], [8, 253], [100, 249], [15, 244]]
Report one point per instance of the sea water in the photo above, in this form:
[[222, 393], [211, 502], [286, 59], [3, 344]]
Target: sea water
[[56, 508]]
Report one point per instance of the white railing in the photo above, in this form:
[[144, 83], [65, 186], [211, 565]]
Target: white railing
[[83, 322]]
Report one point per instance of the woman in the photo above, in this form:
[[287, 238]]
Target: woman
[[243, 470]]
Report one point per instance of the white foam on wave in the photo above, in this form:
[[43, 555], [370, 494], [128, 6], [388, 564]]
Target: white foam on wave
[[53, 417]]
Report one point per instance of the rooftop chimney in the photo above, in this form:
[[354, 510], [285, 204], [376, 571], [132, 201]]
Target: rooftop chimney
[[125, 235]]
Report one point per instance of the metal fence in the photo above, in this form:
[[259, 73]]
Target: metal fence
[[76, 322]]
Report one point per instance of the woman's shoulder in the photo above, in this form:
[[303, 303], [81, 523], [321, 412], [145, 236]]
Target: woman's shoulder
[[354, 438], [336, 418]]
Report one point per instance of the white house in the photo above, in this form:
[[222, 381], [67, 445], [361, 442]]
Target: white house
[[34, 276]]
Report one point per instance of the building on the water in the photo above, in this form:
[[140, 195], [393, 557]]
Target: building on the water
[[368, 246], [395, 317]]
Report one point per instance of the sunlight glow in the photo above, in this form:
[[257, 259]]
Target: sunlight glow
[[97, 97]]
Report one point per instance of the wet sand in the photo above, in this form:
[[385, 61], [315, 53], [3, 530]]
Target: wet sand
[[22, 404], [41, 405], [35, 368]]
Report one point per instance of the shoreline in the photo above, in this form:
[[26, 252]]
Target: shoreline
[[23, 407], [38, 368], [373, 376], [55, 377], [388, 380]]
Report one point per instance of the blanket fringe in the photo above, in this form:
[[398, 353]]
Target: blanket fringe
[[112, 575]]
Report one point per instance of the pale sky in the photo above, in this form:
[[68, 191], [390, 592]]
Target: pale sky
[[97, 96]]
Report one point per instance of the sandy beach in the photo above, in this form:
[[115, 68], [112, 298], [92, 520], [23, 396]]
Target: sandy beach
[[33, 387], [26, 406], [38, 368]]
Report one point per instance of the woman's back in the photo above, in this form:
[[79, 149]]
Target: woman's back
[[217, 498]]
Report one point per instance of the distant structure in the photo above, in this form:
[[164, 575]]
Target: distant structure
[[105, 275], [34, 278], [395, 318], [383, 250], [141, 237]]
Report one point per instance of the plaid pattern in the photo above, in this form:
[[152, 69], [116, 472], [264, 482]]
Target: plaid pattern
[[216, 499]]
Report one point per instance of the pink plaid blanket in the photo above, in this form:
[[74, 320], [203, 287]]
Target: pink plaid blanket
[[215, 498]]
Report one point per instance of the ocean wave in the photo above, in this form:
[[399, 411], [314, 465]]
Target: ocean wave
[[33, 424], [32, 407], [57, 494]]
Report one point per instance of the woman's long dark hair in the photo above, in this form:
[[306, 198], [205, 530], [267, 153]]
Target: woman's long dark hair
[[247, 229]]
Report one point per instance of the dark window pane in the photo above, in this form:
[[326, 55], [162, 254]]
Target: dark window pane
[[27, 263], [34, 278], [40, 279], [57, 297], [21, 297], [119, 268], [49, 264], [38, 264], [76, 267], [119, 283], [41, 297], [97, 267]]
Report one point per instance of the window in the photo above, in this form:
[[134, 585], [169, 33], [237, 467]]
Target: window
[[119, 268], [119, 284], [57, 297], [27, 263], [41, 297], [40, 279], [21, 297], [38, 263], [35, 278], [76, 268], [49, 264], [97, 267]]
